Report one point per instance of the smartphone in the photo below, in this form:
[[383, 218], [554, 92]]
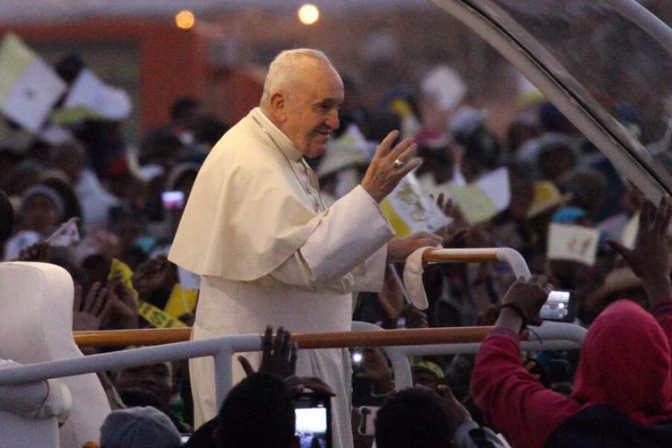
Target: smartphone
[[313, 419], [560, 306], [173, 200], [367, 420]]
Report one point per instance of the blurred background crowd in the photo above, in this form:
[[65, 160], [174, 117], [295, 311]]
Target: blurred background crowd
[[127, 191]]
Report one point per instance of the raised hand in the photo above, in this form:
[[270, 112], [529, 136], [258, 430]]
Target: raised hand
[[152, 275], [528, 296], [650, 258], [391, 300], [123, 306], [90, 314], [389, 166], [376, 371], [278, 357]]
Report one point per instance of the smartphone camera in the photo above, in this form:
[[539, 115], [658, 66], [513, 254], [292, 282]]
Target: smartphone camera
[[313, 420], [559, 307]]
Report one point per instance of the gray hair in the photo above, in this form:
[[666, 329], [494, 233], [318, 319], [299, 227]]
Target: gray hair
[[280, 73]]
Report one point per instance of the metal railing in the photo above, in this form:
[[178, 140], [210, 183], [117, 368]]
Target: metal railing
[[398, 344]]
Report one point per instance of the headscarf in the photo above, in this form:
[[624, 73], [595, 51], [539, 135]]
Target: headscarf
[[48, 192], [626, 365]]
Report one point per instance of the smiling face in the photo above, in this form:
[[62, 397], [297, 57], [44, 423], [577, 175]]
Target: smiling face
[[307, 109]]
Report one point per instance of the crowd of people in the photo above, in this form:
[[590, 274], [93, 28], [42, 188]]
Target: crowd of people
[[180, 230]]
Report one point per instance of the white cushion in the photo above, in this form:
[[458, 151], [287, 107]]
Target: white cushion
[[35, 326]]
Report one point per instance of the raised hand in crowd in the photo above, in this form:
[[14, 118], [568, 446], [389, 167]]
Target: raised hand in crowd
[[393, 305], [152, 276], [123, 306], [452, 233], [523, 301], [374, 368], [90, 313], [389, 166], [650, 258], [40, 251], [460, 231], [279, 359]]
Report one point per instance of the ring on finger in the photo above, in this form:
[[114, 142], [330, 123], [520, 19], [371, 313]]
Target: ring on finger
[[399, 163]]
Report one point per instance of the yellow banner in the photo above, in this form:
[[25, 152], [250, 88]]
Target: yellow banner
[[152, 314], [157, 317], [181, 301]]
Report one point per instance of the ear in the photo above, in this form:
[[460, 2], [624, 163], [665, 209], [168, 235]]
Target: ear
[[278, 105], [296, 442]]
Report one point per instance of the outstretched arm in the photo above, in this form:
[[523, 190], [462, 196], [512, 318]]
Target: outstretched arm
[[650, 258]]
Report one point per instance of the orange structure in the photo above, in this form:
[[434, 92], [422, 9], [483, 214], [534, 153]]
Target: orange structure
[[170, 63]]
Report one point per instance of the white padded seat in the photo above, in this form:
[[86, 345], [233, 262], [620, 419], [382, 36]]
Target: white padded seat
[[36, 302], [29, 413]]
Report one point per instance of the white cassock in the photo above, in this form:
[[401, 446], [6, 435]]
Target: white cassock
[[269, 253]]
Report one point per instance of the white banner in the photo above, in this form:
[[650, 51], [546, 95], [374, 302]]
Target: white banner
[[572, 243], [30, 87]]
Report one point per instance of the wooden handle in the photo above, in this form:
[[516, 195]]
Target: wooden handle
[[463, 255], [305, 340]]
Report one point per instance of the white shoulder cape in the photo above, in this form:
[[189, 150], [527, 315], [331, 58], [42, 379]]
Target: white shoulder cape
[[247, 212]]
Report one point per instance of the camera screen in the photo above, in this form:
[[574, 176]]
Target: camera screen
[[312, 420], [556, 306], [311, 424]]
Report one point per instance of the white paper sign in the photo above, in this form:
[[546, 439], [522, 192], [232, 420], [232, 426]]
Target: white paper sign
[[33, 95], [485, 198], [66, 235], [90, 92], [572, 243], [496, 186]]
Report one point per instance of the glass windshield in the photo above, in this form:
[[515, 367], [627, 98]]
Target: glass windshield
[[610, 65]]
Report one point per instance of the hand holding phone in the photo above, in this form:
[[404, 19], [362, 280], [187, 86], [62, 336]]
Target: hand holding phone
[[527, 296]]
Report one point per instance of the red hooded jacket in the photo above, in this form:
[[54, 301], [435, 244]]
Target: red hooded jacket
[[626, 366]]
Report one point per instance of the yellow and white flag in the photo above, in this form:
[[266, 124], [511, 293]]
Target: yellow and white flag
[[90, 97], [485, 198], [29, 88], [409, 210]]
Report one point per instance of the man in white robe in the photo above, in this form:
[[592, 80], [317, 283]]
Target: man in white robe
[[268, 251]]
